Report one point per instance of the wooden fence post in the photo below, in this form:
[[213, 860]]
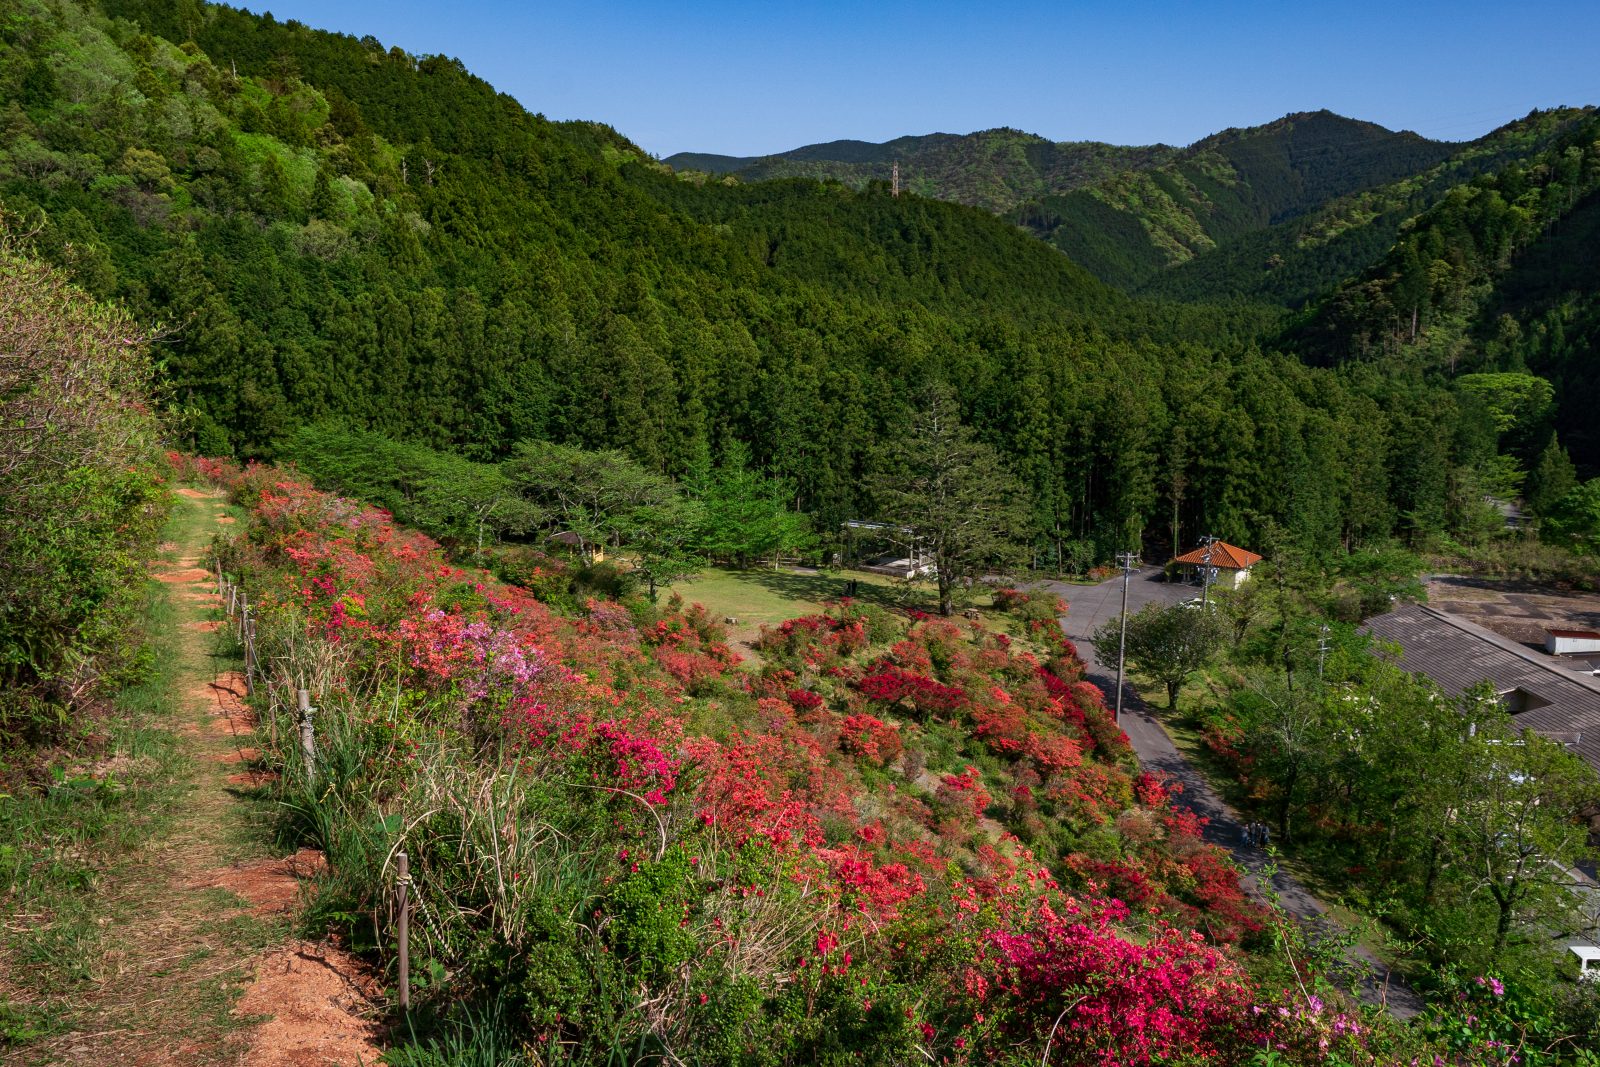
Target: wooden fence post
[[404, 884], [308, 736], [247, 629], [249, 653]]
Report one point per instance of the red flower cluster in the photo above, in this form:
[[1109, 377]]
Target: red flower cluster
[[870, 738], [891, 685]]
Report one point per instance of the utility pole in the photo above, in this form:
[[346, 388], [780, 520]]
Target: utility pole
[[1205, 574], [1128, 561], [896, 177]]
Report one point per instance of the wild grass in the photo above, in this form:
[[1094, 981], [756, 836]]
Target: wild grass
[[60, 840]]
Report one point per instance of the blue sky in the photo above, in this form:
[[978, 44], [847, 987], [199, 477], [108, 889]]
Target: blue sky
[[759, 76]]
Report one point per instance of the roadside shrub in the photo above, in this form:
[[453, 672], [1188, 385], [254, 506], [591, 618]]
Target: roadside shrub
[[84, 496]]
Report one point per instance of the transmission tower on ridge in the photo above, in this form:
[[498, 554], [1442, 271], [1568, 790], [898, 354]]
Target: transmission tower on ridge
[[896, 179]]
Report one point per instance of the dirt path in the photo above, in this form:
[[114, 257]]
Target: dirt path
[[198, 967]]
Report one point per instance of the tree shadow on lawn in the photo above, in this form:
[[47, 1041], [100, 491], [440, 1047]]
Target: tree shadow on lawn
[[821, 586]]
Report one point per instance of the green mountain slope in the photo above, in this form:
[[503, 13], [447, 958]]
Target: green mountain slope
[[1500, 275], [1304, 257], [993, 169], [1129, 229]]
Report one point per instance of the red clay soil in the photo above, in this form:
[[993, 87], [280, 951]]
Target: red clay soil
[[251, 779], [195, 494], [319, 999], [205, 626], [272, 886], [187, 574], [228, 713]]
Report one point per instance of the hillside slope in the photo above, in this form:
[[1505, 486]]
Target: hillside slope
[[1303, 257], [1500, 275], [1132, 227]]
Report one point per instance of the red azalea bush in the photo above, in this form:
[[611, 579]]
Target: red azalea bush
[[892, 685], [870, 738]]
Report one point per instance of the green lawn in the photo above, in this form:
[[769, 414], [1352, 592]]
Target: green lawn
[[761, 596]]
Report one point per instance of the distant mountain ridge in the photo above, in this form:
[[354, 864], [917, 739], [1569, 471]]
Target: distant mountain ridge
[[997, 169], [1132, 227], [1130, 215], [1299, 258]]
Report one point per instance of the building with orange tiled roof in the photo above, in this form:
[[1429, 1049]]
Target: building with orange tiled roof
[[1230, 563]]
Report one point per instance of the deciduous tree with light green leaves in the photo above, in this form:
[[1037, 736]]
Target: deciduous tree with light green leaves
[[606, 498], [1167, 643]]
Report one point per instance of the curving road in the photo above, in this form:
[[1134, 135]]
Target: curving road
[[1092, 606]]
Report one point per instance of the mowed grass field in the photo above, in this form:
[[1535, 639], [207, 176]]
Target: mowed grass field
[[761, 596]]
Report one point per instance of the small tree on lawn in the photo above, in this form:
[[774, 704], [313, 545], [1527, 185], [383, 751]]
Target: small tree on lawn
[[1167, 643], [744, 513], [660, 542]]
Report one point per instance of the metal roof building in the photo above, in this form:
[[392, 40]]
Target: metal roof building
[[1561, 704]]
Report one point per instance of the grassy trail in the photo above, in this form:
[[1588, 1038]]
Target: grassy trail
[[144, 964]]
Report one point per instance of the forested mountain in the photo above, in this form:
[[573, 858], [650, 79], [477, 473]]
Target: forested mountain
[[1132, 215], [992, 169], [1500, 276], [1303, 257], [1277, 214], [335, 232], [1128, 229]]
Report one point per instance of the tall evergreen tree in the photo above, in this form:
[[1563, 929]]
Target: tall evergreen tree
[[949, 497]]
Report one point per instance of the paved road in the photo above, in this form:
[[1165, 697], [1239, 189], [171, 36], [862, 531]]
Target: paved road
[[1090, 607]]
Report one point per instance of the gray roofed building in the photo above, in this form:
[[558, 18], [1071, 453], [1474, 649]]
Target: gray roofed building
[[1542, 695]]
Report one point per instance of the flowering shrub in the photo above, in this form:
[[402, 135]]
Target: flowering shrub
[[1116, 1002], [891, 685], [816, 640], [964, 791], [870, 738]]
